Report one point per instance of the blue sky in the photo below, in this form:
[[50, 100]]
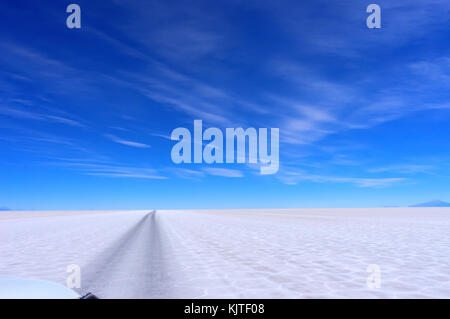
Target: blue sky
[[86, 115]]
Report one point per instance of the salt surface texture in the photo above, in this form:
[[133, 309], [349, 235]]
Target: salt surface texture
[[301, 253]]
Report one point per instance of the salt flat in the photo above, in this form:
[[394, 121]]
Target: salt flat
[[298, 253]]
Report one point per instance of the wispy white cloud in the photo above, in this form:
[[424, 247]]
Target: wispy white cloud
[[186, 173], [181, 104], [107, 170], [424, 16], [164, 136], [303, 123], [203, 172], [186, 41], [40, 62], [404, 169], [295, 176], [64, 120], [308, 80], [125, 175], [18, 113], [29, 115], [126, 142], [224, 172], [181, 32], [341, 107]]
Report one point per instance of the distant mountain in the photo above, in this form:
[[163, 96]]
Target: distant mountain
[[433, 203]]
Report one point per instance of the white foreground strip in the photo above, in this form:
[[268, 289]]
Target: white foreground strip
[[236, 254]]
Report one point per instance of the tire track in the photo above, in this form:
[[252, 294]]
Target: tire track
[[130, 268]]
